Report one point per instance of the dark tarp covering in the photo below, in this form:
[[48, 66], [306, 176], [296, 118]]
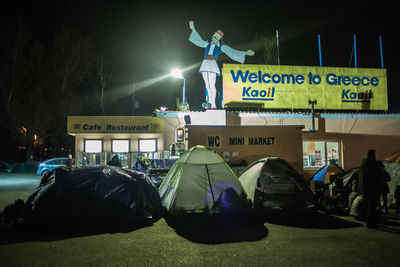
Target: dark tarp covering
[[94, 195], [277, 187]]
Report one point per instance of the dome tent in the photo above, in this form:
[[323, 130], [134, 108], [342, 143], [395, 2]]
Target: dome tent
[[200, 182], [273, 185]]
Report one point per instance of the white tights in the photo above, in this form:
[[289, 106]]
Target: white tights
[[209, 80]]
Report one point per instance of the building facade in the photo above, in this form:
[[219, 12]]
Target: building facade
[[239, 137]]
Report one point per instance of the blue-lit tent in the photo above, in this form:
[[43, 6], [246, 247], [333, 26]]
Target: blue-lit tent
[[324, 174], [200, 182]]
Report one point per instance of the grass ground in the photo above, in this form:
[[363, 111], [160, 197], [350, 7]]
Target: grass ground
[[322, 241]]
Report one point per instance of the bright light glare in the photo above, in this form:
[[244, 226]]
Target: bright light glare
[[120, 146], [177, 73], [139, 85], [93, 146], [147, 145]]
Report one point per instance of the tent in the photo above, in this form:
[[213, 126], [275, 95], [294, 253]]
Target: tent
[[327, 174], [108, 195], [200, 182], [395, 157], [393, 169], [392, 166], [274, 185]]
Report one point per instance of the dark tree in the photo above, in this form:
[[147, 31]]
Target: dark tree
[[100, 78], [14, 51], [38, 89], [267, 49]]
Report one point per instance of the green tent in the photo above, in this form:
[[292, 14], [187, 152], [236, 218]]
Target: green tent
[[200, 182]]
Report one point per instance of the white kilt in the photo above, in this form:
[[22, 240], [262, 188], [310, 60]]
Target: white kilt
[[210, 65]]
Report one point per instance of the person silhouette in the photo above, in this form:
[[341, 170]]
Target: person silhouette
[[209, 68], [370, 186]]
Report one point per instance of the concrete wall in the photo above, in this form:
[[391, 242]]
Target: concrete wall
[[233, 144], [354, 147], [169, 130], [364, 126], [356, 133]]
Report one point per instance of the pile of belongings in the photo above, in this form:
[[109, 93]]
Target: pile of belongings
[[338, 196], [99, 195], [356, 205], [144, 165], [277, 188], [156, 169], [343, 197], [201, 183]]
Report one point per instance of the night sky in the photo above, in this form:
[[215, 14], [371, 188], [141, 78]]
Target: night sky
[[146, 39]]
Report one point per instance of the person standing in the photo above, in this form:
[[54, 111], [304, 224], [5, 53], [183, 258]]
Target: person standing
[[115, 161], [69, 162], [370, 186]]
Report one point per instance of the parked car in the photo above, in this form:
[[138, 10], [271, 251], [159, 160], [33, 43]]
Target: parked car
[[5, 167], [49, 165]]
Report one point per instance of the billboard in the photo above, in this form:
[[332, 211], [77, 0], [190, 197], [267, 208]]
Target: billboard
[[291, 87]]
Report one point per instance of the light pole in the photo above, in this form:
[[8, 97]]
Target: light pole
[[177, 73], [312, 103]]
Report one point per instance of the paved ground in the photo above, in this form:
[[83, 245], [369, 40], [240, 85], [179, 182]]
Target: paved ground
[[323, 240], [16, 185]]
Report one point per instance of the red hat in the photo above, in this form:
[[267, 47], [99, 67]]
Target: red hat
[[220, 33]]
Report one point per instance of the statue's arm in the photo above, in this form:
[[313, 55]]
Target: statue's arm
[[195, 37]]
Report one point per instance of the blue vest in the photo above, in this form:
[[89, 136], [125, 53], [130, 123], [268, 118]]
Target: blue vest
[[216, 51]]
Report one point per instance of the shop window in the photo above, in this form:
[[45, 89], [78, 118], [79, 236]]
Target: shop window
[[180, 135], [120, 146], [332, 149], [147, 145], [320, 153], [93, 146]]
